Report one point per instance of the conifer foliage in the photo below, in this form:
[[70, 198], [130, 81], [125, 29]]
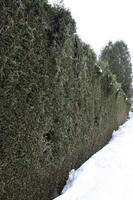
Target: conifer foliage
[[57, 106], [118, 58]]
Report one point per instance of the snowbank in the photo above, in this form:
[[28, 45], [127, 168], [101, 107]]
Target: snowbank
[[108, 174]]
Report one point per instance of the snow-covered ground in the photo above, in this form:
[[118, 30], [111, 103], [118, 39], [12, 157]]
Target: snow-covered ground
[[108, 174]]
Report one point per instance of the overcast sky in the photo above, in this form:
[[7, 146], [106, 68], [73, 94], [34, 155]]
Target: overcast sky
[[99, 21]]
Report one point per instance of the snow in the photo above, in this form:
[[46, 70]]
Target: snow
[[108, 174], [101, 70]]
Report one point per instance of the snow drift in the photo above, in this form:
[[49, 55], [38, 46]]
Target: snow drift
[[108, 174]]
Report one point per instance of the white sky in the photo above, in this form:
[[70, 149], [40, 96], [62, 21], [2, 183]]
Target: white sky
[[99, 21]]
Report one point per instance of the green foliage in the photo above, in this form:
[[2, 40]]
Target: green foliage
[[56, 109], [111, 81], [118, 58]]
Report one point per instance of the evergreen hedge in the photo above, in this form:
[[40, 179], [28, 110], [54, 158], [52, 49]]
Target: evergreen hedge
[[57, 104]]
